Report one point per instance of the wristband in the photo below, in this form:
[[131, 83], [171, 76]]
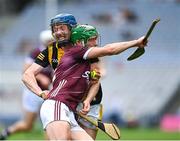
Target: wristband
[[41, 95], [93, 74]]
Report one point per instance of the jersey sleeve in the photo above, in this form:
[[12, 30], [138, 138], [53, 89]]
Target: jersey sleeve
[[42, 58], [34, 53], [86, 53], [82, 52]]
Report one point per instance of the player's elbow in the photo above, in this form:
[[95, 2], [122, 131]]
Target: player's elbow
[[25, 77]]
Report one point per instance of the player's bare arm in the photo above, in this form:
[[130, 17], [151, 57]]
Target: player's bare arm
[[94, 87], [116, 48], [90, 96], [29, 78], [26, 65]]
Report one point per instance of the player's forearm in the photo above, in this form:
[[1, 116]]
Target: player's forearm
[[29, 78], [92, 92], [116, 48], [30, 81], [112, 49]]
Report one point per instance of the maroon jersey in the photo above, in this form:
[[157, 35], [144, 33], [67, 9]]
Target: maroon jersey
[[71, 78]]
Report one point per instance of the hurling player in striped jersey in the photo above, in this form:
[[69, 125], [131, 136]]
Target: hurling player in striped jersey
[[61, 25]]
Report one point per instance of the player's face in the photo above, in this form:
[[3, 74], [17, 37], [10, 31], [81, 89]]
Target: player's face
[[61, 32], [92, 42]]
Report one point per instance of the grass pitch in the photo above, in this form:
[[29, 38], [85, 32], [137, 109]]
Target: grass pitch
[[126, 134]]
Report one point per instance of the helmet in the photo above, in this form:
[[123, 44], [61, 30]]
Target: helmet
[[45, 37], [64, 18], [83, 33]]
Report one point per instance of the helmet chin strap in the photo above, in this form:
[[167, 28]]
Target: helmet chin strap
[[83, 43], [63, 43]]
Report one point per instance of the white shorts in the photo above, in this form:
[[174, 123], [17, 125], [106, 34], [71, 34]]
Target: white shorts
[[52, 110], [31, 102], [96, 112]]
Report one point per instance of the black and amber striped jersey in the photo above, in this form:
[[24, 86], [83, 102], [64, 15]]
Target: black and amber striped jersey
[[50, 56]]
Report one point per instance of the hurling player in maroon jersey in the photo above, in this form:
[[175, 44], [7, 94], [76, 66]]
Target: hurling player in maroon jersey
[[71, 79]]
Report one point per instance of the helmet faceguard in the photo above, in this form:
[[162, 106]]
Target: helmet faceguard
[[63, 18], [83, 33]]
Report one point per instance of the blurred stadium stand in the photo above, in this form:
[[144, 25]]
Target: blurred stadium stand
[[135, 90]]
